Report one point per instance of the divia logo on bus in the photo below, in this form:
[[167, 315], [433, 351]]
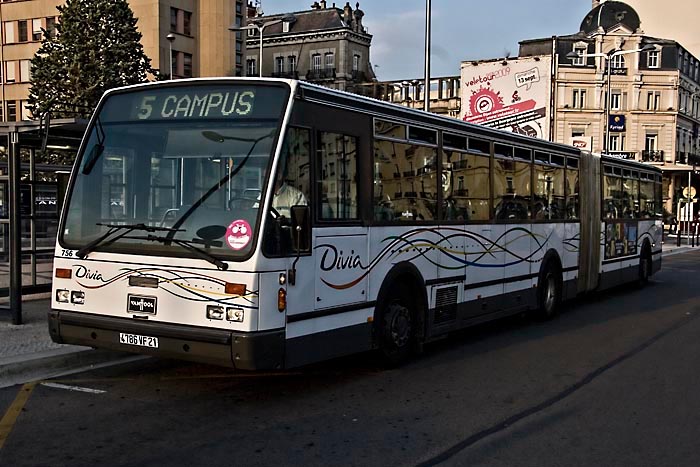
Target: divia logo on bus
[[333, 258], [81, 272], [195, 105]]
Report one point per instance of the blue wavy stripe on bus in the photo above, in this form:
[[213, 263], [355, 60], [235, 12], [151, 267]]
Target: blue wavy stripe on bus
[[417, 243], [196, 286]]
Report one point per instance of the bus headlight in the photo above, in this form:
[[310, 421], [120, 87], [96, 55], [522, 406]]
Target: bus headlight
[[215, 312], [63, 296], [77, 297], [234, 314]]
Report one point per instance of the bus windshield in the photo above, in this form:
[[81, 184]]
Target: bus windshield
[[175, 169]]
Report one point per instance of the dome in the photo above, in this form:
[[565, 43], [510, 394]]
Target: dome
[[609, 14]]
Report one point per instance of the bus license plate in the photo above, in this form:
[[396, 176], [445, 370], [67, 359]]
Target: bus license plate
[[135, 339]]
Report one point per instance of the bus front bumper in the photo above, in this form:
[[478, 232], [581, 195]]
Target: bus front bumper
[[242, 351]]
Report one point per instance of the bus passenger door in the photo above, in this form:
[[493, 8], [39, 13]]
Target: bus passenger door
[[485, 272], [340, 247]]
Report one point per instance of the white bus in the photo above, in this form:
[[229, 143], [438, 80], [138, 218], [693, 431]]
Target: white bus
[[263, 223]]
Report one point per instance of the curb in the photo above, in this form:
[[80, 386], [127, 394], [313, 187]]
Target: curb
[[57, 362], [678, 250]]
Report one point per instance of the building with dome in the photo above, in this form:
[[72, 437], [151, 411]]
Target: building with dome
[[653, 114]]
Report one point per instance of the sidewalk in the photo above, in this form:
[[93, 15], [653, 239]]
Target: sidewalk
[[27, 352]]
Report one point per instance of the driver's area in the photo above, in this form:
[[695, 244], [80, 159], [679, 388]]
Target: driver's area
[[291, 187]]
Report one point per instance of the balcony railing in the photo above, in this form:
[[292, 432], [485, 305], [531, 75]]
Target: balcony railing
[[317, 75], [627, 155], [286, 74], [616, 71], [652, 156], [359, 76]]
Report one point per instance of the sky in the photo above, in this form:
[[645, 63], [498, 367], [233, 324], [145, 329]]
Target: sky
[[461, 30]]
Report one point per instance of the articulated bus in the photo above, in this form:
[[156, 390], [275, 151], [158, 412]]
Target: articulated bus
[[266, 223]]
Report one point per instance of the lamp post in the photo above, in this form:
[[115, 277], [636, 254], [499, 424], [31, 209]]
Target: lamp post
[[608, 57], [171, 38], [260, 27], [426, 90]]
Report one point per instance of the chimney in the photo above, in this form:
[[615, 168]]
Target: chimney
[[315, 6], [322, 4]]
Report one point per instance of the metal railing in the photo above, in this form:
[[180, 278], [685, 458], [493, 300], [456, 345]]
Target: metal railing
[[286, 74], [652, 155], [324, 73]]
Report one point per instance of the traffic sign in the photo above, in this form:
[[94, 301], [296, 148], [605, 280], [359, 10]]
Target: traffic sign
[[692, 192]]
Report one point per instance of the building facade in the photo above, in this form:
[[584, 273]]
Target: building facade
[[444, 93], [203, 45], [677, 19], [653, 111], [325, 45]]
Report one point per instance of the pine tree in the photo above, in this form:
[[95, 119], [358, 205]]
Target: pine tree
[[96, 47]]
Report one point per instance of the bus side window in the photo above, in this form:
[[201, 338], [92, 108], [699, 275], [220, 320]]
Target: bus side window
[[337, 176]]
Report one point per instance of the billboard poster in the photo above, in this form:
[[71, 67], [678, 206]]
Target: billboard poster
[[511, 95], [620, 239], [582, 142]]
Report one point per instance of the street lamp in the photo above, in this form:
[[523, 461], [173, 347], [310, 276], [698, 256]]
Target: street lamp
[[171, 39], [426, 90], [260, 27], [608, 58]]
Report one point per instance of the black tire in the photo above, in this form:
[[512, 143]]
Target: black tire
[[549, 291], [398, 327], [644, 268]]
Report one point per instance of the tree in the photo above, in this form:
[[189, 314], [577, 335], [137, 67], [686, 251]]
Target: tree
[[96, 47]]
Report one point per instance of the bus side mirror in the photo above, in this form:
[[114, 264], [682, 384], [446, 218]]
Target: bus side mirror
[[301, 227], [301, 236]]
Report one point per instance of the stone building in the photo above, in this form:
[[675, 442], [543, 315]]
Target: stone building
[[325, 45], [203, 44], [654, 106], [678, 19]]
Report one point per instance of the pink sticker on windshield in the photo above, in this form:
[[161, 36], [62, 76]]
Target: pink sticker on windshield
[[238, 234]]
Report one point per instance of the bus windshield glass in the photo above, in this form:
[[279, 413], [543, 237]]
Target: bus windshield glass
[[176, 169]]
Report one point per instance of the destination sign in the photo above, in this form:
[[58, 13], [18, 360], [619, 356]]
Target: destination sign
[[196, 101], [197, 105]]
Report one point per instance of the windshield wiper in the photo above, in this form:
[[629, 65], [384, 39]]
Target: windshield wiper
[[97, 149], [125, 229], [187, 245]]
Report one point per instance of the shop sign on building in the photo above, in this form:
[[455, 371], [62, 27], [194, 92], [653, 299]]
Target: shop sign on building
[[511, 95], [616, 122]]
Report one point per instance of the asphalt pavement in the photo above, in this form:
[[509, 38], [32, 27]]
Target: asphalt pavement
[[27, 352]]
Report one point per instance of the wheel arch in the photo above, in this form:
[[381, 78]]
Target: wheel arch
[[551, 257], [407, 275]]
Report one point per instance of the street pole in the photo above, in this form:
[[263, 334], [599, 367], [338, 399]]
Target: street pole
[[606, 142], [170, 37], [689, 207], [426, 85], [171, 59], [260, 30]]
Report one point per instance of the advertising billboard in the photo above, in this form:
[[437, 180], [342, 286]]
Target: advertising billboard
[[511, 95]]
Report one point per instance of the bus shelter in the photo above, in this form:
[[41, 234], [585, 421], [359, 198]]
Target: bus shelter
[[32, 189]]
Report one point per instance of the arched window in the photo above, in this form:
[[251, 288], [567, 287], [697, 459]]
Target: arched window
[[618, 61]]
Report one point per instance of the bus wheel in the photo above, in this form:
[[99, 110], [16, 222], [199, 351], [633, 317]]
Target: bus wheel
[[644, 268], [549, 291], [398, 330]]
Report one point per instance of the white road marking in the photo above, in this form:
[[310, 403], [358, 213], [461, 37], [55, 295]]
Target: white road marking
[[73, 388]]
